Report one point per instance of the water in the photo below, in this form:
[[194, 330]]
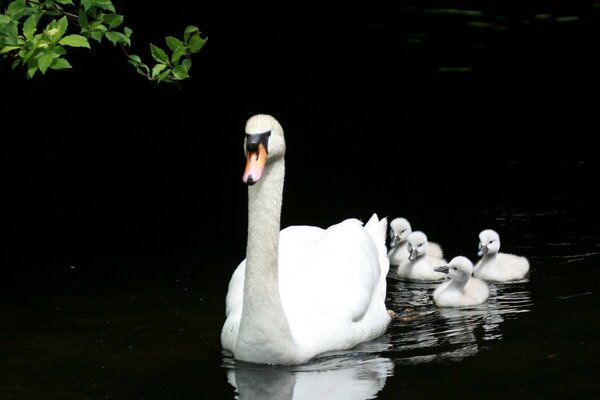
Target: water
[[126, 332]]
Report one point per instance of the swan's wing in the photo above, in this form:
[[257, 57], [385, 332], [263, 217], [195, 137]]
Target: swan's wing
[[335, 273]]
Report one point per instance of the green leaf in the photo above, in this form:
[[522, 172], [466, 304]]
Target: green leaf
[[15, 8], [6, 49], [64, 2], [187, 64], [10, 34], [44, 61], [177, 54], [61, 25], [159, 54], [188, 32], [96, 35], [83, 20], [29, 26], [157, 69], [135, 58], [117, 37], [74, 41], [196, 43], [32, 67], [104, 4], [60, 63], [113, 20], [87, 4], [127, 31], [180, 73], [173, 43], [4, 19], [163, 75]]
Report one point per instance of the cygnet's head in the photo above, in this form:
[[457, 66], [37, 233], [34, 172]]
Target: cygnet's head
[[489, 242], [459, 269], [417, 245], [263, 143], [399, 230]]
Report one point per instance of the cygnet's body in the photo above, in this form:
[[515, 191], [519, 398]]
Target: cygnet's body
[[400, 228], [420, 265], [495, 266], [462, 290]]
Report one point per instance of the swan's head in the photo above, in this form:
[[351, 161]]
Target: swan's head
[[417, 245], [459, 269], [399, 230], [264, 142], [489, 242]]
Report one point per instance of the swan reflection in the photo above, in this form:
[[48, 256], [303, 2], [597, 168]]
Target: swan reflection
[[354, 376]]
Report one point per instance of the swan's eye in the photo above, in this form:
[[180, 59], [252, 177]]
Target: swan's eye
[[454, 268], [491, 241]]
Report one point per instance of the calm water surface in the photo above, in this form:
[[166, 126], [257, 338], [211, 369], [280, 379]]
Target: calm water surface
[[154, 333]]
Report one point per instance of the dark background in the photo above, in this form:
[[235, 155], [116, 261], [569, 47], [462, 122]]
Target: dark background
[[399, 108]]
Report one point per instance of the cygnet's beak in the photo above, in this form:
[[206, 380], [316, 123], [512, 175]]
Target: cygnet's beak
[[414, 253], [395, 240], [483, 249]]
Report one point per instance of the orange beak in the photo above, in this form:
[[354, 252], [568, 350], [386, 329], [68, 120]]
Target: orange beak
[[255, 165]]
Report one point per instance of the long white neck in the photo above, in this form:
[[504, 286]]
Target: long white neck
[[264, 328]]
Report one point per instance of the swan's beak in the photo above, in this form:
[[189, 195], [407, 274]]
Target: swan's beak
[[442, 268], [395, 240], [255, 164]]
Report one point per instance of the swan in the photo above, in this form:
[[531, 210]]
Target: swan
[[495, 266], [400, 228], [301, 291], [462, 290], [420, 265]]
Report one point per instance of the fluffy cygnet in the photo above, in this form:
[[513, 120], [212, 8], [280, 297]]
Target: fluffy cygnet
[[462, 289]]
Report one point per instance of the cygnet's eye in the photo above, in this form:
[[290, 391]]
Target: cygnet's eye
[[491, 241], [454, 268]]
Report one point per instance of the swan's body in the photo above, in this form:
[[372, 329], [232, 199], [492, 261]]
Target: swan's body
[[462, 290], [301, 291], [495, 266], [420, 265], [400, 228]]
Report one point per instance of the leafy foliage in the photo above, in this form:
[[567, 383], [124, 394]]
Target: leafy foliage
[[36, 35]]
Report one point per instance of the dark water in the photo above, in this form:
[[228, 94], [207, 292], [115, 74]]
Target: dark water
[[127, 332]]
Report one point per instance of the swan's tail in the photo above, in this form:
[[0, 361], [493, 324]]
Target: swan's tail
[[377, 228]]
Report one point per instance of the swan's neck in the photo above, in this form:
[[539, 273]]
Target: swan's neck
[[264, 327]]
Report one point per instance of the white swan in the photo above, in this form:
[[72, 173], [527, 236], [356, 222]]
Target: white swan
[[400, 228], [301, 291], [495, 266], [462, 290], [420, 265]]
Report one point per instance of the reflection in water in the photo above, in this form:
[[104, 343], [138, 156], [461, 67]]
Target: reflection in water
[[425, 333], [354, 376], [422, 333]]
